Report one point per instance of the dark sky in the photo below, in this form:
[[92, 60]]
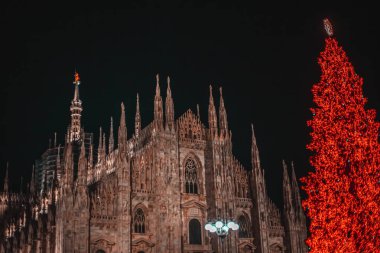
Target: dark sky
[[264, 56]]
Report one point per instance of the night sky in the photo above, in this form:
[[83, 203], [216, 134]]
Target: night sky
[[264, 57]]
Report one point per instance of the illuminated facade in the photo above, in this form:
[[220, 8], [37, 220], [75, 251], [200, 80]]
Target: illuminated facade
[[153, 192]]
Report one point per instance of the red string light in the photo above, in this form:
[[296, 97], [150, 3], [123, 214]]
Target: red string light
[[343, 191]]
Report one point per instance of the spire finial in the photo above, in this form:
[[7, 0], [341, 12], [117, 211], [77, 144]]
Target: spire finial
[[104, 145], [223, 122], [168, 90], [255, 156], [6, 179], [91, 156], [111, 144], [211, 97], [212, 118], [328, 27], [169, 108], [158, 111], [294, 177], [284, 166], [122, 117], [296, 192], [122, 133], [32, 182], [157, 85], [76, 78], [198, 114], [137, 117], [137, 104], [100, 145], [253, 137]]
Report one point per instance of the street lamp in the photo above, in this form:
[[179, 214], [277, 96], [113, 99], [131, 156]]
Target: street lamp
[[221, 227]]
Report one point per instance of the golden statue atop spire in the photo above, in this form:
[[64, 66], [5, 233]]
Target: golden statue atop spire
[[328, 27], [76, 78]]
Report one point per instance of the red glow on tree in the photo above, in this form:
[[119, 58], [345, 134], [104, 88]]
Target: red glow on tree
[[343, 201]]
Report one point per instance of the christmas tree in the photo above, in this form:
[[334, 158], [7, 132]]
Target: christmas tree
[[343, 191]]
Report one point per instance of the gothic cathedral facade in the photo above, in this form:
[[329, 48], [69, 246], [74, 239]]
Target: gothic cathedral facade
[[152, 192]]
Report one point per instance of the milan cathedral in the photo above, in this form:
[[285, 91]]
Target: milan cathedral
[[150, 193]]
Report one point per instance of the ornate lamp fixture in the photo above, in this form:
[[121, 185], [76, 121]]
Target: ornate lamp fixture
[[221, 227]]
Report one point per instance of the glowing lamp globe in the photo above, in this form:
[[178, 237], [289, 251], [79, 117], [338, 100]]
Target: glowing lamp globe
[[235, 227], [212, 229], [208, 227], [225, 228], [219, 224], [230, 224]]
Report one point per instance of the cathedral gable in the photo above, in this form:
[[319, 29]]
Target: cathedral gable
[[190, 129]]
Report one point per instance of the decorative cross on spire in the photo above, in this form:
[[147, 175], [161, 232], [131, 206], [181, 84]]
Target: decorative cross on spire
[[328, 27]]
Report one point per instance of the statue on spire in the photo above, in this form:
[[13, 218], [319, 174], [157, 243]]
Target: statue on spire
[[76, 78], [328, 27]]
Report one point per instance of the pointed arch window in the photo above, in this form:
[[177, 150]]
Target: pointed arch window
[[244, 228], [139, 221], [195, 236], [191, 178]]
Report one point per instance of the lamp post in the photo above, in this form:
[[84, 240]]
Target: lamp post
[[221, 227]]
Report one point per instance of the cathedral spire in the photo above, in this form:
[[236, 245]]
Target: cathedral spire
[[82, 166], [100, 145], [76, 111], [158, 110], [32, 182], [57, 167], [169, 106], [287, 191], [6, 179], [137, 117], [212, 120], [91, 155], [223, 123], [296, 191], [104, 146], [122, 134], [111, 143], [69, 165], [255, 157]]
